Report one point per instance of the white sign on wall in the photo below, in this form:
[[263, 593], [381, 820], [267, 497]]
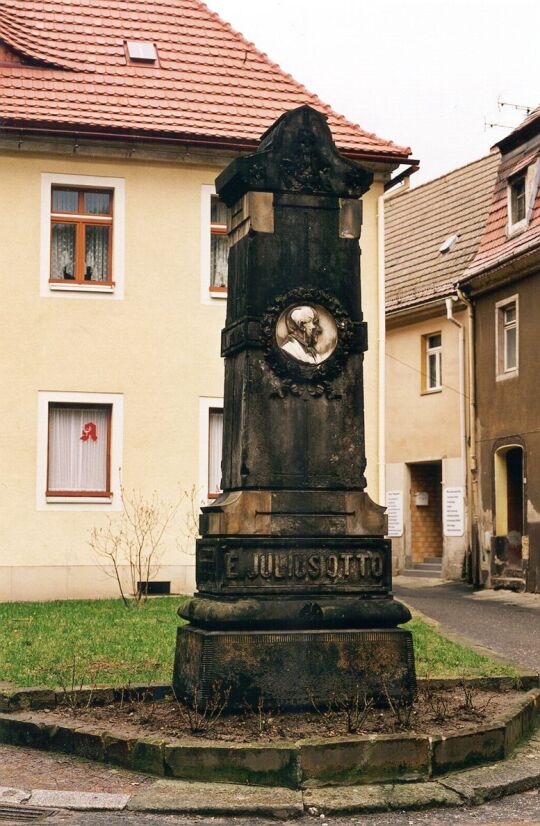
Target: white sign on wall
[[453, 512], [394, 505]]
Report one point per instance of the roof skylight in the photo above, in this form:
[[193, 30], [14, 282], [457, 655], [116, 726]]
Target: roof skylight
[[447, 245], [141, 51]]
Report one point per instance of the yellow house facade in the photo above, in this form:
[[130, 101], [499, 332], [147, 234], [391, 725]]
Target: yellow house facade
[[110, 246], [432, 232]]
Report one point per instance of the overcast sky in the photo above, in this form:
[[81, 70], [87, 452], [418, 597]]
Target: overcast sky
[[423, 73]]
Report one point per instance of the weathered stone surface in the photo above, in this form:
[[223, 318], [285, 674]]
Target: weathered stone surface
[[364, 759], [272, 765], [19, 730], [293, 523], [89, 743], [215, 800], [488, 782], [84, 696], [15, 699], [118, 748], [379, 798], [80, 801], [479, 744], [293, 668], [10, 795], [147, 756]]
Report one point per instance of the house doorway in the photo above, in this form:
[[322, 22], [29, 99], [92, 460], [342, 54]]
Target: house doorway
[[426, 512], [509, 500]]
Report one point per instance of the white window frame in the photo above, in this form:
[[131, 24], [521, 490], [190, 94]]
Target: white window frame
[[503, 372], [86, 290], [532, 179], [207, 296], [79, 503], [206, 404], [437, 352]]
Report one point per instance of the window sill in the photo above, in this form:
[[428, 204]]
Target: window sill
[[85, 288], [218, 292], [79, 500], [510, 374], [431, 391], [516, 229]]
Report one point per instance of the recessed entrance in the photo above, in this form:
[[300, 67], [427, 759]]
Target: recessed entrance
[[426, 511], [509, 499]]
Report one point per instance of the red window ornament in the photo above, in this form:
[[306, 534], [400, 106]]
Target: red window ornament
[[89, 432]]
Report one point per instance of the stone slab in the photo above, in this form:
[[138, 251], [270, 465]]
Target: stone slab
[[364, 759], [10, 795], [479, 744], [489, 782], [342, 800], [268, 765], [175, 796], [80, 801]]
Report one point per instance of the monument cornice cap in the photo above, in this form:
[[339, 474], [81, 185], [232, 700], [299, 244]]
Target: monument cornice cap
[[296, 155]]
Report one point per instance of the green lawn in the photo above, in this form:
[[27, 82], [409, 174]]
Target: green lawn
[[100, 641]]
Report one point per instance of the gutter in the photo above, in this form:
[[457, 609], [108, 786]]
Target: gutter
[[403, 176], [246, 146]]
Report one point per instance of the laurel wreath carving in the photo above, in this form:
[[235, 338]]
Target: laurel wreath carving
[[295, 378]]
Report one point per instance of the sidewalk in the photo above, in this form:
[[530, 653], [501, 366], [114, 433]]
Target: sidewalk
[[506, 623]]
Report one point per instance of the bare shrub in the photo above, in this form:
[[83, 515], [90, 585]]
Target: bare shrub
[[133, 541], [202, 714]]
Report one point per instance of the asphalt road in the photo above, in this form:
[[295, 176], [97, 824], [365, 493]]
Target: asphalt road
[[517, 809], [502, 623]]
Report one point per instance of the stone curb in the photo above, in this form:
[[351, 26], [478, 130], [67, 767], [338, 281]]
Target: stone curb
[[306, 763], [474, 787]]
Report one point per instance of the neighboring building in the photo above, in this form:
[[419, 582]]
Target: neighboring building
[[503, 282], [115, 119], [432, 233]]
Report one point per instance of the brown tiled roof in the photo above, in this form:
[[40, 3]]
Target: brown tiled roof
[[68, 69], [418, 221], [498, 247]]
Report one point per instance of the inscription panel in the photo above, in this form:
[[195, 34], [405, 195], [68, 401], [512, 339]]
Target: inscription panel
[[353, 565]]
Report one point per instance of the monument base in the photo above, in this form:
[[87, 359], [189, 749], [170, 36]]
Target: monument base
[[293, 669]]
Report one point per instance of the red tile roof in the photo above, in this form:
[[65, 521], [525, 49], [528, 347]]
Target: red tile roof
[[497, 246], [72, 73]]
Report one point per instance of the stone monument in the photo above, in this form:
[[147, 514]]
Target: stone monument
[[293, 570]]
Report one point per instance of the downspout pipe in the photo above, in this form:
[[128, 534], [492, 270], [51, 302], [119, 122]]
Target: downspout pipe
[[462, 399], [381, 349], [473, 462]]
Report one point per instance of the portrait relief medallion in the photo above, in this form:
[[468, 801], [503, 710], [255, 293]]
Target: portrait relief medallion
[[306, 333]]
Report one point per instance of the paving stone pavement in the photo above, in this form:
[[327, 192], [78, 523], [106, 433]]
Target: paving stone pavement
[[506, 623]]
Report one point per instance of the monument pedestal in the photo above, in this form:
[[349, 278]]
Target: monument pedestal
[[293, 669]]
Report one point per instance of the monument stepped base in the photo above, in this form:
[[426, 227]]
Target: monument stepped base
[[293, 669]]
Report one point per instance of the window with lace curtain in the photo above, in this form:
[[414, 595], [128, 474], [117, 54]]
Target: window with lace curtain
[[79, 450], [81, 235], [219, 245]]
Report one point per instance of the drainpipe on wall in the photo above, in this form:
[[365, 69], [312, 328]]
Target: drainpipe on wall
[[462, 403], [381, 349], [473, 481]]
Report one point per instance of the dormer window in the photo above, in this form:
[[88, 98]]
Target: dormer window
[[517, 200], [141, 51], [522, 186]]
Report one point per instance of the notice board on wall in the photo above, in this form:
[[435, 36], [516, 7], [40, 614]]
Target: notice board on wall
[[453, 511], [394, 507]]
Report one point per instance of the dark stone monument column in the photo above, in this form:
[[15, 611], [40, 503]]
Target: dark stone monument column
[[293, 571]]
